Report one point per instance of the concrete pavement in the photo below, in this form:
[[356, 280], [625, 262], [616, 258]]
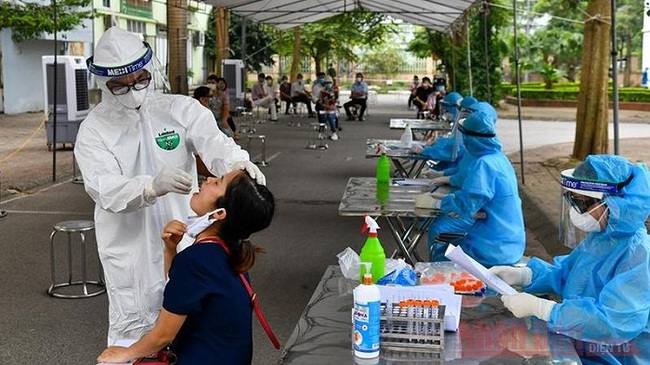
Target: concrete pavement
[[304, 238]]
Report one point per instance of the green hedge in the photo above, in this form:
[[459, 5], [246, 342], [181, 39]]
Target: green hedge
[[569, 91]]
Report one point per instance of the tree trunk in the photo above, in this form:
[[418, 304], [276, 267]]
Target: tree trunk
[[591, 117], [295, 60], [177, 39], [317, 61], [222, 24], [627, 78]]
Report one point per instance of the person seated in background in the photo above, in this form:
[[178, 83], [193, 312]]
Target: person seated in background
[[285, 94], [257, 92], [300, 94], [327, 106], [412, 87], [316, 88], [219, 104], [422, 94], [359, 96], [604, 284], [271, 95], [206, 310], [437, 110], [491, 188]]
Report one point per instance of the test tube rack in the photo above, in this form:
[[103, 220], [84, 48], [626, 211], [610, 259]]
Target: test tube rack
[[412, 329]]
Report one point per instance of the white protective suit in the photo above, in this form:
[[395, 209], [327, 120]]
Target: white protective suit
[[119, 150]]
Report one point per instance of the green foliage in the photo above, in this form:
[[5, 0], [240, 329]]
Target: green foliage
[[29, 20], [385, 61], [259, 38], [336, 37], [569, 91], [550, 74]]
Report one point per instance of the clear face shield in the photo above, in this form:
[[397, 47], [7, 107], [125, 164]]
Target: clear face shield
[[455, 133], [583, 209]]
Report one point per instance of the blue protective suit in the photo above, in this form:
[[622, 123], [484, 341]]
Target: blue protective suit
[[605, 282], [499, 239]]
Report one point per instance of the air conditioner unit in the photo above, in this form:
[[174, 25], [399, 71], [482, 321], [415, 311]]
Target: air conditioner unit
[[71, 96], [198, 39], [201, 40]]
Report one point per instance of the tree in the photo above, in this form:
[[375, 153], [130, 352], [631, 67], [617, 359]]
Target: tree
[[28, 20], [385, 61], [259, 39], [629, 27], [336, 37], [592, 117], [177, 31]]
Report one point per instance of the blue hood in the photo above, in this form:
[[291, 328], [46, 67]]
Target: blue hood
[[629, 209], [482, 123], [486, 108]]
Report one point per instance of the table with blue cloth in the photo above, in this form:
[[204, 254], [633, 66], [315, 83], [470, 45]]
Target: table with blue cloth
[[488, 334]]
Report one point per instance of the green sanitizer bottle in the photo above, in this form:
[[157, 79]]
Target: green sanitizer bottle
[[383, 168], [372, 251]]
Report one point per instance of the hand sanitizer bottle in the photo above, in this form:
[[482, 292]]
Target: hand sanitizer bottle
[[366, 317]]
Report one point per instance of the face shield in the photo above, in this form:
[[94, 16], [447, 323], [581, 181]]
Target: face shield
[[584, 206], [121, 56]]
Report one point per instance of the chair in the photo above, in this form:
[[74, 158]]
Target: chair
[[79, 227]]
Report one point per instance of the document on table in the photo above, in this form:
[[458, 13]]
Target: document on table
[[444, 293], [457, 255]]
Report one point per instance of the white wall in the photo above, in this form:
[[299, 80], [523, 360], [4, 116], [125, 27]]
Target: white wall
[[22, 70]]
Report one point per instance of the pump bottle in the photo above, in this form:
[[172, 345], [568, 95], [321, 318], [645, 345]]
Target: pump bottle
[[366, 319], [407, 137], [372, 251]]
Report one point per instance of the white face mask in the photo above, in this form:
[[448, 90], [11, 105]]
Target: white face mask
[[585, 221], [198, 224], [133, 99], [212, 87], [269, 83], [359, 79]]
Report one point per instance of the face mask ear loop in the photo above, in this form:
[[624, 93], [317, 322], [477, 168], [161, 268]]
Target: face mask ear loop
[[603, 214]]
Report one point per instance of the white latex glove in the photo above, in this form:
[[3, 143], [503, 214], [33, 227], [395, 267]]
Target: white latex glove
[[417, 149], [442, 180], [526, 305], [169, 180], [427, 201], [253, 171], [431, 174], [521, 276]]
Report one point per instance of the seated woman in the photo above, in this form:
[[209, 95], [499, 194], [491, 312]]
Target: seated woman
[[604, 283], [206, 310]]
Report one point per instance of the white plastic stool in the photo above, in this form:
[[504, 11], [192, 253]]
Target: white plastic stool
[[71, 227]]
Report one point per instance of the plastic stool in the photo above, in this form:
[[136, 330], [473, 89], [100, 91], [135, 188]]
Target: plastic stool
[[262, 138], [71, 227]]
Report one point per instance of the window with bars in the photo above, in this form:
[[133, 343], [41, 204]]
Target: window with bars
[[136, 26]]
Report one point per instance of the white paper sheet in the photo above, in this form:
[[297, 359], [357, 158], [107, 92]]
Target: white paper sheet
[[457, 255], [443, 293]]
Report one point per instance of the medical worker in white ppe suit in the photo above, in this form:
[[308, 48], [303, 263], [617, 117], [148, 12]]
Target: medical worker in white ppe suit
[[136, 153]]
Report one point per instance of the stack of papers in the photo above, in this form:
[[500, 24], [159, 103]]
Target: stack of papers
[[457, 255]]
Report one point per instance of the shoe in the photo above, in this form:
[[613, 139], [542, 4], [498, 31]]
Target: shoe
[[312, 115], [361, 119], [286, 113], [339, 128], [274, 120], [334, 136], [350, 118]]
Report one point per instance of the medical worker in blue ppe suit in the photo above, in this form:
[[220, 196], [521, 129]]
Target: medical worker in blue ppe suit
[[446, 150], [455, 176], [491, 188], [136, 150], [604, 283]]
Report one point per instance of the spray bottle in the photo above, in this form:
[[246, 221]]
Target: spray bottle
[[366, 316], [372, 251]]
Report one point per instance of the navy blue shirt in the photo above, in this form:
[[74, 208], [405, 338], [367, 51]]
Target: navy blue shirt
[[218, 328]]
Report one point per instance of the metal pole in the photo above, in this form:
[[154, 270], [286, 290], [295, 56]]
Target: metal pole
[[614, 77], [453, 61], [517, 76], [55, 101], [485, 43], [243, 40], [2, 212], [469, 59]]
